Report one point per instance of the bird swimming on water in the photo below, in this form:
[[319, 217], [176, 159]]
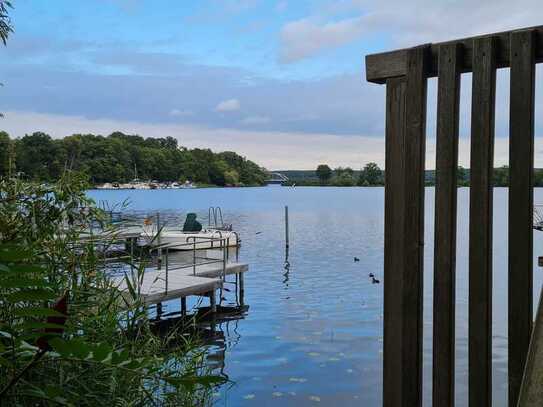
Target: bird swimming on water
[[356, 259]]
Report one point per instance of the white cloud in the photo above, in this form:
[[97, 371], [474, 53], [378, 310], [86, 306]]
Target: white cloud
[[255, 120], [181, 113], [229, 105], [308, 36], [405, 22]]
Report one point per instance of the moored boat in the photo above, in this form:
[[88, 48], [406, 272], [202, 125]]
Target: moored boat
[[192, 236]]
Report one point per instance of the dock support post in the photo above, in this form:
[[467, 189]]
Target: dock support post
[[212, 301], [159, 260], [184, 306], [158, 310], [241, 290]]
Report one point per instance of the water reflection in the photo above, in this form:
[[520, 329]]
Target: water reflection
[[322, 340]]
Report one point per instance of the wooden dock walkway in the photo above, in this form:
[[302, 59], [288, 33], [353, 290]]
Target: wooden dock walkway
[[183, 282]]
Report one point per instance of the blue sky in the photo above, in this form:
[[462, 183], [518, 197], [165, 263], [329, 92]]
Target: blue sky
[[280, 81]]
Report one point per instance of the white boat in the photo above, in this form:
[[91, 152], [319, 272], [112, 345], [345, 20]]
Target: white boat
[[187, 185], [216, 235], [176, 239]]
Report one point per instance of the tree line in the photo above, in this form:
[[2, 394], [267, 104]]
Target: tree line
[[121, 157], [372, 175]]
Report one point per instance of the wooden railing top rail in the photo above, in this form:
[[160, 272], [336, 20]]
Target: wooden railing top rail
[[385, 65]]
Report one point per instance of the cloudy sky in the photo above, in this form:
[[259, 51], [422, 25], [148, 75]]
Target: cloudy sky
[[280, 81]]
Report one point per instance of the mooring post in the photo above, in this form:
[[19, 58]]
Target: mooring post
[[241, 290], [213, 301], [286, 227], [184, 306], [158, 310], [159, 260]]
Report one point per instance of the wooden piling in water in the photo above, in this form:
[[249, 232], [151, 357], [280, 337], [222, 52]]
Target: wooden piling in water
[[286, 227], [183, 306]]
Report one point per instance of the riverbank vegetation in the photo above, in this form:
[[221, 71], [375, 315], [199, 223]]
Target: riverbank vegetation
[[120, 157], [372, 175], [67, 335]]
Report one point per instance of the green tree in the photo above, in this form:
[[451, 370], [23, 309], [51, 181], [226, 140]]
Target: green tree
[[462, 177], [339, 171], [324, 173], [39, 158], [5, 147], [116, 157], [371, 174], [345, 179], [501, 176], [5, 22], [538, 177], [231, 177]]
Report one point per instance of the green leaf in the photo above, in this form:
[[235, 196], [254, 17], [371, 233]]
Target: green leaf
[[60, 346], [26, 268], [31, 294], [6, 334], [193, 380], [101, 352], [80, 349], [37, 312], [119, 357], [29, 325], [12, 253], [21, 282], [6, 363]]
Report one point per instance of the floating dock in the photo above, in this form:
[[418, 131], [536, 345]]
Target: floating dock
[[157, 287]]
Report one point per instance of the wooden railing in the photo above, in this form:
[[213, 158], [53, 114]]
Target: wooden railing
[[405, 73]]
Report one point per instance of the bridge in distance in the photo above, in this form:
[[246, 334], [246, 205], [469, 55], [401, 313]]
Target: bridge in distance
[[276, 178]]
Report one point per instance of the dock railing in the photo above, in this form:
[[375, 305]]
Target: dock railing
[[192, 243], [405, 73]]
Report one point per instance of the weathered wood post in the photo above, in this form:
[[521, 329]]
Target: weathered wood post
[[159, 259], [448, 108], [286, 228], [404, 72], [521, 203], [183, 306]]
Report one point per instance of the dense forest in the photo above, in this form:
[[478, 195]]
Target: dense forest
[[120, 157]]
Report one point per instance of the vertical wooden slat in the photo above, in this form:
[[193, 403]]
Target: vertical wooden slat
[[480, 227], [521, 167], [394, 224], [414, 148], [448, 106], [404, 234]]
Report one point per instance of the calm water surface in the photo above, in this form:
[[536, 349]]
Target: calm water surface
[[313, 333]]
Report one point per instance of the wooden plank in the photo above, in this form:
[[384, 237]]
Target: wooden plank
[[531, 391], [480, 227], [404, 211], [394, 229], [381, 66], [521, 201], [153, 287], [211, 270], [448, 107], [414, 149]]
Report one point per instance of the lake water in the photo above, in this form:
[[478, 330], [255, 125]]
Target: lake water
[[313, 333]]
